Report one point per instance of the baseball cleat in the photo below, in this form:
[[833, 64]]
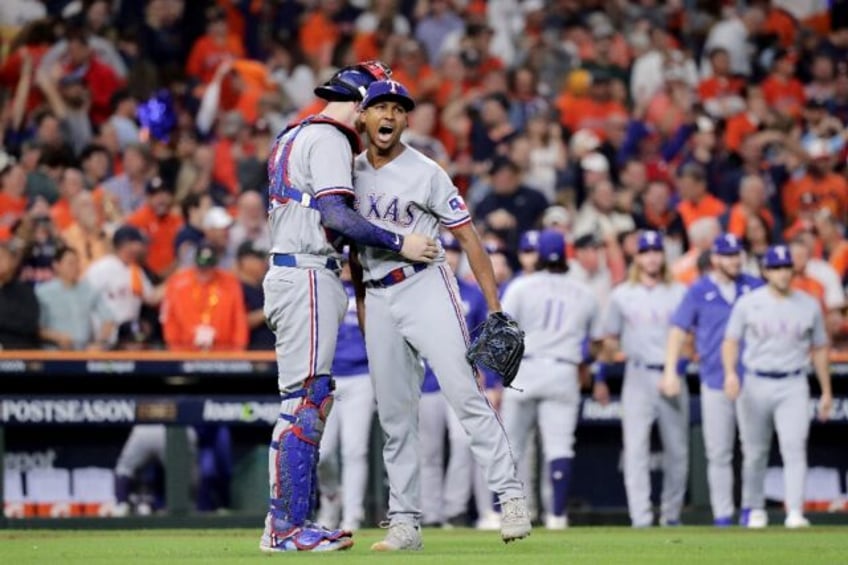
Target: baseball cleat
[[795, 520], [754, 518], [402, 536], [515, 521], [724, 522], [305, 539], [556, 522], [489, 522]]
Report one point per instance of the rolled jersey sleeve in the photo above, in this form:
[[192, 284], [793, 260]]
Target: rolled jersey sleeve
[[446, 203], [686, 314], [736, 323], [330, 160]]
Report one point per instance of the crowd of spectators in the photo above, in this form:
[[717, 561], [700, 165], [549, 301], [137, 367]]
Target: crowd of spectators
[[599, 118]]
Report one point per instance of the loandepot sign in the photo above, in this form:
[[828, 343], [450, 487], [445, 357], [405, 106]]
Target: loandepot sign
[[70, 411], [247, 412]]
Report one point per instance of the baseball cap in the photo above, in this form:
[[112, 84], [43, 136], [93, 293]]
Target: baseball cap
[[594, 162], [388, 90], [493, 248], [503, 163], [556, 215], [248, 249], [349, 84], [217, 218], [449, 242], [206, 256], [727, 244], [551, 246], [650, 241], [529, 241], [127, 234], [777, 256], [588, 240]]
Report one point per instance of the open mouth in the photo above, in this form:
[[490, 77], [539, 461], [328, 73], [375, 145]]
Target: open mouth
[[384, 133]]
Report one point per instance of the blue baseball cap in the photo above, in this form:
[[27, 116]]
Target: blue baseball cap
[[777, 256], [388, 90], [650, 241], [551, 246], [449, 242], [529, 241], [727, 244]]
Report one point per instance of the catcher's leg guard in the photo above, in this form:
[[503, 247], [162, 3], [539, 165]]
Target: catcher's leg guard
[[296, 460]]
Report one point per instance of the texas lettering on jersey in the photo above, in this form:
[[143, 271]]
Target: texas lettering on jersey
[[381, 206]]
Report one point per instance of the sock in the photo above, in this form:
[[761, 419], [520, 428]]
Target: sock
[[123, 485], [560, 471]]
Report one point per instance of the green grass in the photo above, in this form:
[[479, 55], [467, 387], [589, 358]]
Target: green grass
[[466, 547]]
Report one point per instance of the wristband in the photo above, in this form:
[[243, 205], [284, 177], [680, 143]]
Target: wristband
[[600, 372], [682, 366]]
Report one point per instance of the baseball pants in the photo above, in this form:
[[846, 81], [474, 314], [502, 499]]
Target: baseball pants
[[718, 416], [766, 405]]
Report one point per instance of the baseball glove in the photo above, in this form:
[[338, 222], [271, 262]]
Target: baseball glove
[[499, 347]]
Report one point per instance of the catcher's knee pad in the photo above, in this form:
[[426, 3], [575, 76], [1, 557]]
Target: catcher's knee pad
[[297, 451]]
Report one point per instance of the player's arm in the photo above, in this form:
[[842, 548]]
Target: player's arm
[[821, 364], [670, 384], [358, 286], [730, 349], [480, 264], [338, 216]]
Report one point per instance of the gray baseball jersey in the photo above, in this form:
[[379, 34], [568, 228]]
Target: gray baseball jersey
[[641, 317], [421, 315], [412, 194], [779, 332]]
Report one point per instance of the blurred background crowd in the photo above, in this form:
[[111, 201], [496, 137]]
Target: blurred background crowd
[[135, 137]]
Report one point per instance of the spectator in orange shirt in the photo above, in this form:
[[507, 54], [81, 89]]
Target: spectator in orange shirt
[[835, 247], [412, 70], [783, 92], [210, 49], [820, 188], [204, 307], [318, 35], [160, 225], [13, 201], [71, 183], [800, 279], [753, 200], [701, 234], [86, 235], [748, 122], [721, 93], [696, 202]]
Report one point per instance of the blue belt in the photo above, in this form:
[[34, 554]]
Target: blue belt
[[554, 359], [289, 260], [397, 275], [778, 374], [649, 366]]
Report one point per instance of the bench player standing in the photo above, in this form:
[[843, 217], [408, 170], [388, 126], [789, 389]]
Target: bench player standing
[[782, 329], [638, 317], [310, 189], [411, 309], [558, 314], [704, 311]]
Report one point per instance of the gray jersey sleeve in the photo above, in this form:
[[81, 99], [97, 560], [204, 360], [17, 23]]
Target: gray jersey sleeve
[[614, 318], [330, 160], [736, 323], [510, 302], [445, 201]]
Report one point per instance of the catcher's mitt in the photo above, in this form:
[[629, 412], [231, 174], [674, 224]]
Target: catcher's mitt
[[499, 347]]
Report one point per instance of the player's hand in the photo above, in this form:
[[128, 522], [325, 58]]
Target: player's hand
[[600, 392], [419, 248], [670, 384], [825, 405], [731, 386]]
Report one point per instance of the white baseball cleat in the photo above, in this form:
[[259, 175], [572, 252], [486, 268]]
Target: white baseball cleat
[[757, 519], [515, 521], [556, 522], [402, 536], [796, 520], [489, 522]]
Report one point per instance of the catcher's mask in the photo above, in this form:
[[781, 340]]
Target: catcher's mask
[[350, 84]]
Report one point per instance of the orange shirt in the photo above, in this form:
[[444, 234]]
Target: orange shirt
[[738, 220], [811, 286], [317, 35], [11, 208], [580, 112], [685, 268], [224, 169], [707, 206], [160, 232], [839, 259], [190, 303], [61, 214], [808, 193], [716, 87], [206, 54], [421, 85], [780, 23], [89, 247], [737, 129], [785, 96]]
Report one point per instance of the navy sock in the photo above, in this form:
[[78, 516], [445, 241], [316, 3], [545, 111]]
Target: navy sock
[[560, 470]]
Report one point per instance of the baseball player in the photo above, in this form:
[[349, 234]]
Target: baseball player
[[413, 309], [782, 329], [342, 482], [557, 313], [638, 320], [450, 489], [704, 312], [310, 187]]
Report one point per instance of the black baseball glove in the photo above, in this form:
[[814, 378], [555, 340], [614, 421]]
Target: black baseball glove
[[499, 347]]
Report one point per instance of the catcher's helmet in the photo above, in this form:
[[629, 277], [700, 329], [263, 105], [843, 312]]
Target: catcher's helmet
[[350, 83]]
